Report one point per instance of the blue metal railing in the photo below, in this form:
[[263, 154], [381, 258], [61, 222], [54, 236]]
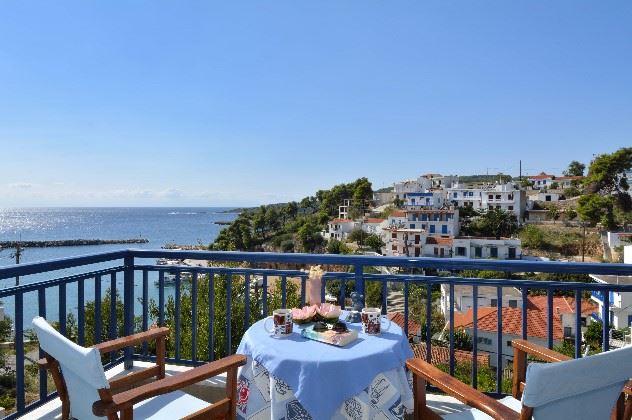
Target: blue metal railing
[[246, 275]]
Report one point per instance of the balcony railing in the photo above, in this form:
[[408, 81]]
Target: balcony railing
[[79, 286]]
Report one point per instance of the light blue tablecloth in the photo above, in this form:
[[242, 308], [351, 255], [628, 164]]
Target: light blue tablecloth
[[324, 376]]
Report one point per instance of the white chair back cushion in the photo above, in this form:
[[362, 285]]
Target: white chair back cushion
[[585, 388], [81, 367]]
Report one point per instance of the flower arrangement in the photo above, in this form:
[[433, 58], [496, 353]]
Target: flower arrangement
[[304, 315]]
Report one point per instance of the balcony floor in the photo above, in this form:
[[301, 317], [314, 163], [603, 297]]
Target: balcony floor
[[212, 390]]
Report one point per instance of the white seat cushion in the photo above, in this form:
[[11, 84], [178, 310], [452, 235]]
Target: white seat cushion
[[173, 405], [508, 401]]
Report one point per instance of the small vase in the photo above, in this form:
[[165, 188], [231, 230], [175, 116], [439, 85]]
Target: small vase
[[314, 285]]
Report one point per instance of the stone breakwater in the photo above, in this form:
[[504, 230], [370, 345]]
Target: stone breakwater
[[69, 242]]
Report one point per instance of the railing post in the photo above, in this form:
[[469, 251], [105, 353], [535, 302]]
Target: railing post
[[359, 281], [128, 307]]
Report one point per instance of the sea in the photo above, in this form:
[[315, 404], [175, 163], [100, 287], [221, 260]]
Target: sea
[[159, 225]]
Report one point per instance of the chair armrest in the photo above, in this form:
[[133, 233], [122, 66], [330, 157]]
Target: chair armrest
[[131, 340], [460, 391], [127, 399], [540, 352]]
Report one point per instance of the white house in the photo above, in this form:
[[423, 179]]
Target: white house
[[507, 197], [478, 247], [487, 296], [338, 229], [541, 181], [547, 196], [567, 181], [425, 200], [435, 222], [620, 302]]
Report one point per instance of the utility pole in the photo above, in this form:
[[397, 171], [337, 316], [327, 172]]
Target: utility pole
[[18, 254], [520, 177]]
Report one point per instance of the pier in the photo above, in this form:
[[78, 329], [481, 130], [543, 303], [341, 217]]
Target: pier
[[69, 242]]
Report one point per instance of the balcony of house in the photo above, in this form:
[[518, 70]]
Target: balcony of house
[[209, 300]]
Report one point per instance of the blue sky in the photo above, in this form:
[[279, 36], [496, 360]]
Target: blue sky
[[234, 103]]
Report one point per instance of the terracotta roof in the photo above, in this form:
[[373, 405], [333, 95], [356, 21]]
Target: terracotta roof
[[398, 318], [537, 324], [441, 355], [374, 220], [541, 176], [568, 178], [341, 221], [398, 213], [564, 303], [434, 240]]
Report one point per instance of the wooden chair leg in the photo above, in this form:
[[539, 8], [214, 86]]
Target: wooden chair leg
[[231, 391], [160, 356], [421, 410], [627, 413], [619, 408], [519, 372], [58, 379]]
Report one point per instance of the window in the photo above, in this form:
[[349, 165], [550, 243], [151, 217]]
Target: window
[[510, 197], [494, 303], [460, 251], [444, 228], [436, 250], [491, 208], [510, 208], [490, 197], [412, 225], [497, 196], [513, 303], [478, 252], [455, 195], [483, 340], [508, 343], [471, 193], [493, 252], [394, 235], [567, 332], [394, 248], [512, 253]]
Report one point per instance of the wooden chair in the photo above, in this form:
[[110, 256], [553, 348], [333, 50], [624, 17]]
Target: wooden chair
[[87, 394], [587, 388]]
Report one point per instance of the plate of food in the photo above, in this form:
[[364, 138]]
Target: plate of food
[[336, 334]]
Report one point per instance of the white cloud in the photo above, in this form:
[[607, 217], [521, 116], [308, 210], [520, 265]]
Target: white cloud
[[21, 185]]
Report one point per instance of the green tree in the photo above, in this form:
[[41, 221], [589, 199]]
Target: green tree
[[497, 223], [357, 235], [570, 213], [553, 212], [607, 185], [374, 242], [607, 173], [525, 183], [555, 185], [309, 236], [594, 208], [593, 335], [334, 246], [571, 192], [575, 168], [462, 340]]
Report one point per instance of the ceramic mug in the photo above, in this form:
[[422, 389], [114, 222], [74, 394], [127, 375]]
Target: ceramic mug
[[372, 321], [282, 319]]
